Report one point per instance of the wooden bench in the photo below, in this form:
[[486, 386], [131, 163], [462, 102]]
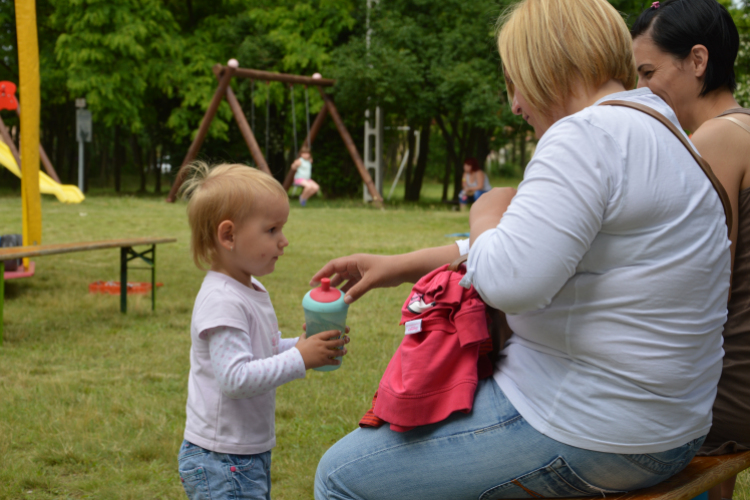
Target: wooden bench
[[702, 474], [126, 255]]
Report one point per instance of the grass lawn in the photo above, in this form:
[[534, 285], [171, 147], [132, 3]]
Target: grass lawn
[[92, 402]]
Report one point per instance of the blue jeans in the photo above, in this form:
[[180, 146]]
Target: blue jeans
[[463, 198], [487, 454], [207, 475]]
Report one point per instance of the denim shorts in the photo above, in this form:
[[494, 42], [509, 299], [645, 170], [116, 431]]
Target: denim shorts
[[487, 454], [207, 475]]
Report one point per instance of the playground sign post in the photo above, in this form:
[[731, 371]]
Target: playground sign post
[[83, 134]]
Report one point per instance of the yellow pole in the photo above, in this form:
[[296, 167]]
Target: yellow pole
[[28, 65]]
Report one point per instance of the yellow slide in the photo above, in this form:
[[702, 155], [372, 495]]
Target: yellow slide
[[64, 193]]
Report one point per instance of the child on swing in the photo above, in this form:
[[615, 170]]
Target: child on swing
[[238, 358], [302, 168]]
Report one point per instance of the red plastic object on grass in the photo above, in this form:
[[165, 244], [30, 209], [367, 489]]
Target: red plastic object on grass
[[113, 287], [8, 96]]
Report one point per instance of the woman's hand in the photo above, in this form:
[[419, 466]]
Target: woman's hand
[[362, 272], [321, 349], [488, 210]]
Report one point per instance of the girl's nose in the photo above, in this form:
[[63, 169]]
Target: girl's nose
[[515, 107]]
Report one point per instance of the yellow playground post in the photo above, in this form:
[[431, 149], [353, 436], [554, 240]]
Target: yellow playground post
[[28, 66]]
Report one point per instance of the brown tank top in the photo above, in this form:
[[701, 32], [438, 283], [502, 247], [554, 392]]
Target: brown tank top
[[730, 431]]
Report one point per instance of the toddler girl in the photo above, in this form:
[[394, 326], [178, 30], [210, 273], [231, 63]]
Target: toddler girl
[[238, 357], [302, 167]]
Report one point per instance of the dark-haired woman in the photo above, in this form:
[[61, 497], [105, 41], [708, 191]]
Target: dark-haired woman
[[474, 183], [685, 52]]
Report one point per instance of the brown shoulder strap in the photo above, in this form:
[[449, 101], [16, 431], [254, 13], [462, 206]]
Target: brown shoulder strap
[[734, 111], [703, 163], [734, 120]]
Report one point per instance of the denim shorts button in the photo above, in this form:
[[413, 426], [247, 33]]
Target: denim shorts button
[[233, 468]]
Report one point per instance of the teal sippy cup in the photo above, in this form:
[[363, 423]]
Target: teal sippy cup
[[325, 310]]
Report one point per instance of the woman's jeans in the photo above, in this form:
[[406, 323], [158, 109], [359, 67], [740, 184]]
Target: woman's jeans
[[489, 453], [207, 475]]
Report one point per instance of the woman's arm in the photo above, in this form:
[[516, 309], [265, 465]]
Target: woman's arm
[[521, 263], [363, 272]]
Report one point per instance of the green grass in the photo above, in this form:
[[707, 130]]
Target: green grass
[[92, 402]]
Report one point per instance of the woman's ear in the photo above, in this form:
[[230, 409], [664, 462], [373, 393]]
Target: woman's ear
[[699, 60], [225, 234]]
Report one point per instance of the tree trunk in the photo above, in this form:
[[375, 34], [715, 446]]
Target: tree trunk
[[117, 159], [446, 174], [157, 171], [523, 149], [135, 148], [415, 186], [104, 158]]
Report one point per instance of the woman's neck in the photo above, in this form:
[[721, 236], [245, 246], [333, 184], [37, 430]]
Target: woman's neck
[[707, 107], [584, 99]]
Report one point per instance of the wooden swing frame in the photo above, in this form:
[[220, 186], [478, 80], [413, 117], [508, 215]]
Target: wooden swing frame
[[224, 90]]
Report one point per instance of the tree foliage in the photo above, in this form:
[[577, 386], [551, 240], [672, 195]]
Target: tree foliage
[[144, 67]]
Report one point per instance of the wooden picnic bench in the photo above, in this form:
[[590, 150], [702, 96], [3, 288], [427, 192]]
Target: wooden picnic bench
[[127, 253], [701, 474]]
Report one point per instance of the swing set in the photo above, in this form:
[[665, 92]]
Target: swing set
[[225, 74]]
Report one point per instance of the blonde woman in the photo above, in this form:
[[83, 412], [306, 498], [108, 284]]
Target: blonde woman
[[612, 265]]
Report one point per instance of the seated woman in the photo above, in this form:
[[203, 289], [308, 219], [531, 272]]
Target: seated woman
[[612, 264], [474, 183], [685, 52], [302, 167]]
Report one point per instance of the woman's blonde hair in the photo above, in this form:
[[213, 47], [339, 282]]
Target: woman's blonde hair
[[549, 46], [219, 193]]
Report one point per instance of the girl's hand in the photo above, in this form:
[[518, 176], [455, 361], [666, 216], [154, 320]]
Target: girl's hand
[[362, 272], [321, 349]]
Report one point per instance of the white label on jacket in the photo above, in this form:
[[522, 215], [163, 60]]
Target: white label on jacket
[[413, 327]]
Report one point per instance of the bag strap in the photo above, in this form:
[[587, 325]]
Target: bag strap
[[703, 163], [734, 111]]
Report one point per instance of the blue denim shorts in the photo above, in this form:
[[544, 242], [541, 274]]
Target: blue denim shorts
[[207, 475], [487, 454]]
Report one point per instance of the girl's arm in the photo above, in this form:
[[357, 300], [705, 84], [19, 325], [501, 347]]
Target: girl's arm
[[237, 371]]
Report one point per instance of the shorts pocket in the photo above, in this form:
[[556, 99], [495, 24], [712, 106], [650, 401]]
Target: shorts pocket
[[556, 479], [250, 477], [195, 483]]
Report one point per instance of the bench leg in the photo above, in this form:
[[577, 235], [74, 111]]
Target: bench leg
[[2, 297], [124, 279], [153, 277]]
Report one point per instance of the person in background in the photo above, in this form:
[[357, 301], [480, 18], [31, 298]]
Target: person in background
[[474, 183], [302, 167]]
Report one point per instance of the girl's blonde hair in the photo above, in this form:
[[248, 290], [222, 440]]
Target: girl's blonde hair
[[549, 46], [219, 193]]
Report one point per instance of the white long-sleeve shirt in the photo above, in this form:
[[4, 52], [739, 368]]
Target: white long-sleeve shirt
[[237, 360], [612, 263]]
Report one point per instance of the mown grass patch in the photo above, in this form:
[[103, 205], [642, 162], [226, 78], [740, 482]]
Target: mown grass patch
[[92, 402]]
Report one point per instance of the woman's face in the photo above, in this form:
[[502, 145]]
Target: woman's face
[[467, 168], [522, 108], [673, 80]]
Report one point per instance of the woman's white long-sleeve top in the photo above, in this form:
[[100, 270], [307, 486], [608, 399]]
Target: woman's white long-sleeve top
[[613, 264]]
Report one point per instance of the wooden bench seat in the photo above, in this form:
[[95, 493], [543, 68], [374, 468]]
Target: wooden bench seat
[[702, 474], [127, 254]]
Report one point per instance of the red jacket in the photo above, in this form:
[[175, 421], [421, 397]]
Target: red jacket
[[435, 370]]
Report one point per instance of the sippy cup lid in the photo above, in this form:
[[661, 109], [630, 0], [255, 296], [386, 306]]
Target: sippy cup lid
[[324, 293]]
